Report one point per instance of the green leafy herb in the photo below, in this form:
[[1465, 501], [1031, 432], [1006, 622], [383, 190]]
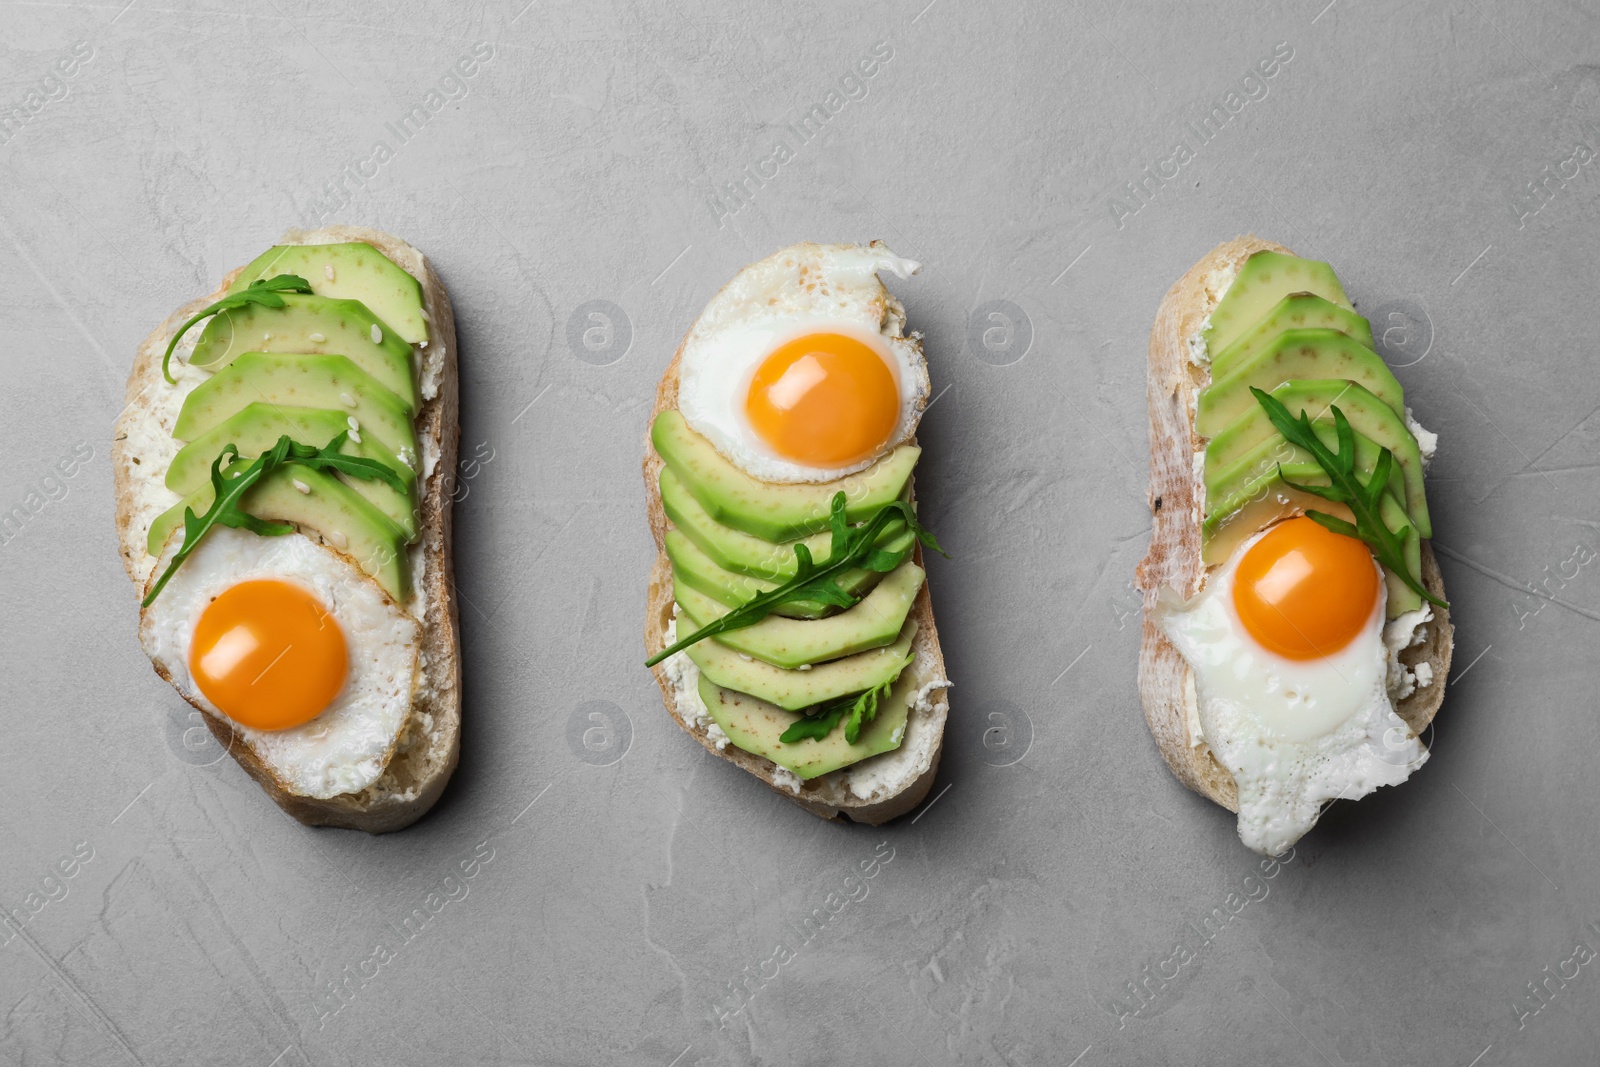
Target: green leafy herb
[[263, 291], [816, 726], [850, 547], [229, 486], [1344, 487], [855, 712]]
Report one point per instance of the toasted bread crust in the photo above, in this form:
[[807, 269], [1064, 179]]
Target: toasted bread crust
[[415, 779], [819, 796], [1174, 557]]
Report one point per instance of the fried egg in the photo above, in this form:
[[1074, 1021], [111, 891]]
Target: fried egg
[[1285, 644], [797, 371], [304, 655]]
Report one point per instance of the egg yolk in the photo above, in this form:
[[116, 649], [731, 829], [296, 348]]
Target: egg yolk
[[1304, 591], [268, 655], [824, 400]]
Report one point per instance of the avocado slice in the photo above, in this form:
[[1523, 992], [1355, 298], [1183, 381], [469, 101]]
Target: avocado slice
[[795, 643], [317, 324], [353, 271], [699, 571], [768, 510], [257, 426], [1297, 311], [755, 726], [794, 690], [740, 552], [312, 381], [1252, 434], [1401, 597], [340, 514], [1296, 354], [1256, 474], [1263, 280]]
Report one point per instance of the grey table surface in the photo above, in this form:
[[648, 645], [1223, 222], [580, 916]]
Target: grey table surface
[[601, 171]]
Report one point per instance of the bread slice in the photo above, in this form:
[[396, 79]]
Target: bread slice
[[910, 768], [143, 449], [1177, 497]]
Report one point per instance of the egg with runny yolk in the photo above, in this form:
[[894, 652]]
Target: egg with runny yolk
[[824, 400], [1303, 591], [800, 370], [268, 654]]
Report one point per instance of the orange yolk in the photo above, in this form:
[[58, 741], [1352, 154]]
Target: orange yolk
[[268, 655], [824, 400], [1304, 591]]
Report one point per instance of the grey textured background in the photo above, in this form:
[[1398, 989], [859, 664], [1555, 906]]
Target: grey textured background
[[633, 880]]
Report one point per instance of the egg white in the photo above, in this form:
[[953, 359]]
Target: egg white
[[347, 747], [800, 290], [1295, 734]]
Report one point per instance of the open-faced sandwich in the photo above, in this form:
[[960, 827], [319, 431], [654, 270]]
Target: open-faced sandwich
[[789, 624], [1296, 636], [280, 475]]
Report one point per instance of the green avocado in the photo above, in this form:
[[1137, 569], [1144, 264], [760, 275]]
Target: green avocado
[[1401, 597], [1310, 354], [699, 571], [766, 510], [1252, 436], [313, 324], [342, 516], [794, 690], [354, 271], [256, 427], [755, 726], [1263, 280], [308, 381], [795, 643], [740, 552], [1257, 473], [1297, 311]]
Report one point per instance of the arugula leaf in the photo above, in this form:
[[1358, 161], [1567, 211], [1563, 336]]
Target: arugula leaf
[[224, 509], [856, 712], [815, 726], [263, 291], [1344, 487], [230, 485], [865, 709], [329, 458], [812, 581]]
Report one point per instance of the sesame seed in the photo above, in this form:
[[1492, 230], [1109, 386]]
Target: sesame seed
[[377, 335], [302, 486], [338, 539], [347, 400], [425, 316], [319, 337], [327, 269], [355, 436], [803, 667], [351, 419]]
